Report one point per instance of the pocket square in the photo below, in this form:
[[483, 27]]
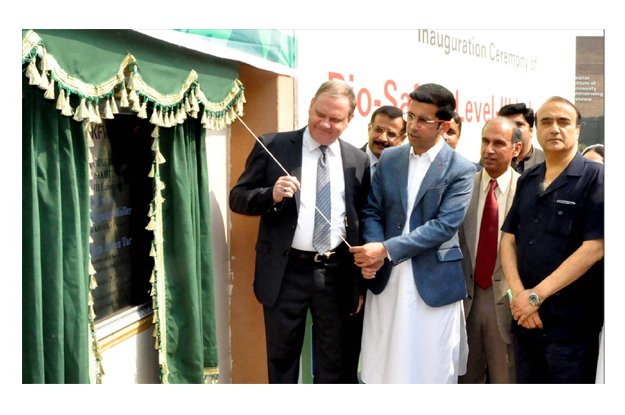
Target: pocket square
[[565, 202]]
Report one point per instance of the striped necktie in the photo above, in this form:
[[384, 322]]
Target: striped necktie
[[321, 233]]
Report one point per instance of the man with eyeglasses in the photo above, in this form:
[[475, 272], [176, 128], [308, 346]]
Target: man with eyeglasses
[[414, 327], [386, 129]]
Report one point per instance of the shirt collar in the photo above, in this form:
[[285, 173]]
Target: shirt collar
[[311, 145], [432, 152], [502, 181], [372, 158]]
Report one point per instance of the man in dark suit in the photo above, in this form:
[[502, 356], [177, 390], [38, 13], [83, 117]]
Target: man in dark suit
[[291, 275], [414, 329]]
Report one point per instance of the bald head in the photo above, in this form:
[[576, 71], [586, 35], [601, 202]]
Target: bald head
[[501, 141]]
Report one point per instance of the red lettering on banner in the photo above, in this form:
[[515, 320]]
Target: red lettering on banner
[[405, 103], [486, 111], [478, 111], [363, 112], [468, 111], [387, 94], [335, 75]]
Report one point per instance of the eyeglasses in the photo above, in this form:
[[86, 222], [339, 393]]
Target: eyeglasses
[[419, 120], [390, 134]]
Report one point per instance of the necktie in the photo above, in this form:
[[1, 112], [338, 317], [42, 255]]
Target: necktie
[[321, 233], [487, 244]]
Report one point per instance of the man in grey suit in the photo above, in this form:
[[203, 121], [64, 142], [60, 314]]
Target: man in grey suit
[[414, 328], [292, 274], [487, 307]]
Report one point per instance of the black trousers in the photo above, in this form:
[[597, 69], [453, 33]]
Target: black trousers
[[306, 285], [352, 335], [540, 359]]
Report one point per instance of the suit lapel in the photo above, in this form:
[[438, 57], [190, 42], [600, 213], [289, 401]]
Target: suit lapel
[[434, 173], [402, 176], [295, 160], [470, 223], [509, 197], [347, 157]]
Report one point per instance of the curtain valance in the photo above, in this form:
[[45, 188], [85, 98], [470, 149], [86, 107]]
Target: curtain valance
[[155, 79]]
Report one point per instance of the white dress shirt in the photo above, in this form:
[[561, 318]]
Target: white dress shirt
[[303, 237]]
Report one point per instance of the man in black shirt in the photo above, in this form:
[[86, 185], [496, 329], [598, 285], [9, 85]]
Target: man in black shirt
[[552, 256]]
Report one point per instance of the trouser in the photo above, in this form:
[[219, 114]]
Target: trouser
[[489, 355], [306, 285], [352, 335], [540, 359]]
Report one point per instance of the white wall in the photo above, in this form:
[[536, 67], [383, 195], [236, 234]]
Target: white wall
[[131, 361], [218, 161], [383, 66]]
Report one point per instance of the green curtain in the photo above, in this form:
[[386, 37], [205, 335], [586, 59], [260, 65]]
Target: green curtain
[[191, 347], [68, 76], [55, 244]]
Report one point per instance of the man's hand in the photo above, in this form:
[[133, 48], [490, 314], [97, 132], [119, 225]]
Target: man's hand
[[285, 186], [525, 313], [370, 257], [532, 321]]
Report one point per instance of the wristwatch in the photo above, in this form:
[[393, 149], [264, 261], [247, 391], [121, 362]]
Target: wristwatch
[[534, 299]]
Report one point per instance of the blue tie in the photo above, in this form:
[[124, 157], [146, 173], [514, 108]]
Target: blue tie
[[321, 233]]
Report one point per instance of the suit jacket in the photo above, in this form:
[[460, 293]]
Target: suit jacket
[[468, 233], [432, 244], [252, 195]]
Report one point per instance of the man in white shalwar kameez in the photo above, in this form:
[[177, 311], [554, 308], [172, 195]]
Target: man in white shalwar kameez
[[414, 326]]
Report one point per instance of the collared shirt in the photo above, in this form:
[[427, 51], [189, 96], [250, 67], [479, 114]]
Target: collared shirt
[[417, 168], [534, 157], [373, 160], [549, 226], [501, 192], [303, 237]]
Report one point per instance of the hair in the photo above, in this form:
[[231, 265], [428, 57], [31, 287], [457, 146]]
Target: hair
[[438, 95], [520, 108], [458, 119], [391, 112], [336, 87], [565, 101], [597, 148]]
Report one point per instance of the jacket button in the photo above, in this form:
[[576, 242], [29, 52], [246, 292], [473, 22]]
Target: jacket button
[[559, 212], [286, 253], [399, 226]]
